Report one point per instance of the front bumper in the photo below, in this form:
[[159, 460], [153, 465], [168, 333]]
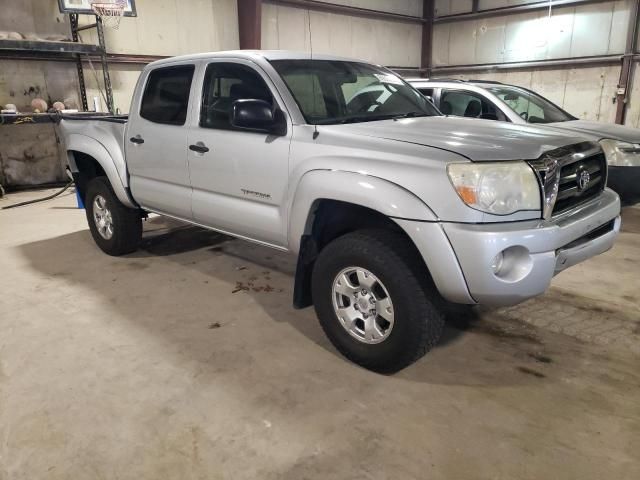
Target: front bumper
[[460, 256], [537, 250]]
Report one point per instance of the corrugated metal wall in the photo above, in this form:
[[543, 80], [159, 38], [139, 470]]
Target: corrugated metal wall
[[585, 30], [380, 41]]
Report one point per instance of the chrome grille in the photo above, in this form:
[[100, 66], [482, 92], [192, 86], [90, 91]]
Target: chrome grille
[[570, 176], [580, 181]]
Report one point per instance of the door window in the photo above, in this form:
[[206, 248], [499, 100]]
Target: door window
[[166, 96], [530, 106], [461, 103], [224, 83]]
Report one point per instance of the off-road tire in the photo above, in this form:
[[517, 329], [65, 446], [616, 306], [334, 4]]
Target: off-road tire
[[418, 307], [127, 222]]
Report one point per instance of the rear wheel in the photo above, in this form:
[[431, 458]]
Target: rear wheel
[[115, 228], [375, 300]]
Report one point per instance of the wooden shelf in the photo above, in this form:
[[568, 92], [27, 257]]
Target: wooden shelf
[[45, 48], [26, 118]]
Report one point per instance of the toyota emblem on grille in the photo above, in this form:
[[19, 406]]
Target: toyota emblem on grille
[[583, 180]]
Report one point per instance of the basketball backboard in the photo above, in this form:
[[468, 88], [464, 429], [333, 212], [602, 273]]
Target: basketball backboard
[[84, 7]]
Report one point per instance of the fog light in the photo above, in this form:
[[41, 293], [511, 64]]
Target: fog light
[[512, 264], [496, 263]]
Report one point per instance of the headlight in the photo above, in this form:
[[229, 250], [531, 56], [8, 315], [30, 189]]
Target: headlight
[[621, 154], [498, 188]]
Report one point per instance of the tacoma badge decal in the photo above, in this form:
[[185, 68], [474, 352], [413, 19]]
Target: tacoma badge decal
[[255, 194]]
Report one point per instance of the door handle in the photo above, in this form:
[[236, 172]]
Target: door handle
[[199, 147], [137, 139]]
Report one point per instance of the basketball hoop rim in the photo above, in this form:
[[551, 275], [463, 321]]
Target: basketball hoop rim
[[109, 13], [110, 9]]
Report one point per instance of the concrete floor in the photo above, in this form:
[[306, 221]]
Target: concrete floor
[[186, 361]]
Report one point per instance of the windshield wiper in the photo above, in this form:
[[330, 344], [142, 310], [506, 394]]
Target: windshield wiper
[[373, 118], [364, 118], [412, 115]]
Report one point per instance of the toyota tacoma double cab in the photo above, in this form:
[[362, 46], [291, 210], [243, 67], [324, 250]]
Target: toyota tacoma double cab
[[393, 210]]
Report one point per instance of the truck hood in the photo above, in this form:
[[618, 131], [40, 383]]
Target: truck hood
[[600, 130], [477, 140]]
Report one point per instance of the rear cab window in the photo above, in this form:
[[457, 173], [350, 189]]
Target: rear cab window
[[166, 95]]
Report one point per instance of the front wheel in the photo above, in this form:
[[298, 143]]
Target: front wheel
[[115, 228], [375, 300]]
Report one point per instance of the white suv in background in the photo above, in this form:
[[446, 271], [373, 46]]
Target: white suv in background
[[491, 100]]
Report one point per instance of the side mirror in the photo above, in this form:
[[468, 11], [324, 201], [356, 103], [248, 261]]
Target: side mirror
[[258, 116]]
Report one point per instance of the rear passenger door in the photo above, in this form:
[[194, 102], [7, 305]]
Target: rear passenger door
[[463, 103], [156, 141], [239, 177]]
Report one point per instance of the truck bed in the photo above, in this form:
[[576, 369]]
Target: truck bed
[[103, 133]]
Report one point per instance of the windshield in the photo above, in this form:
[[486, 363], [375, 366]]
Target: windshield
[[533, 108], [332, 91]]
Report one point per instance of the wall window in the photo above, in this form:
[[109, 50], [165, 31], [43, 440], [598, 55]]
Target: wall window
[[224, 83], [166, 96]]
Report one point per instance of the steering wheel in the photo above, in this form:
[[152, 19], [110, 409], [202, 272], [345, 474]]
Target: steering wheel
[[524, 115]]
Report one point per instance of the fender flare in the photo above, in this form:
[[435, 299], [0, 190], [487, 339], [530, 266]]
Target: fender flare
[[408, 211], [378, 194], [93, 148]]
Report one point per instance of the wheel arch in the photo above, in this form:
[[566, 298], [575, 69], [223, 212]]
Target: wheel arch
[[88, 158], [328, 204], [371, 192]]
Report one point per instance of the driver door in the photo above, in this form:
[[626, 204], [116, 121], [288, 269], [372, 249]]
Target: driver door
[[239, 177]]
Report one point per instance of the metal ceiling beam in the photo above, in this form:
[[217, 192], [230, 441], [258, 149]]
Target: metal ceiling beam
[[555, 63], [476, 13], [250, 24], [347, 10], [112, 58]]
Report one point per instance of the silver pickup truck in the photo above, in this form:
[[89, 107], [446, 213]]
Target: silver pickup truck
[[392, 209]]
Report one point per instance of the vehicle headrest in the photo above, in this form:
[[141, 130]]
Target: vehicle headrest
[[474, 108]]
